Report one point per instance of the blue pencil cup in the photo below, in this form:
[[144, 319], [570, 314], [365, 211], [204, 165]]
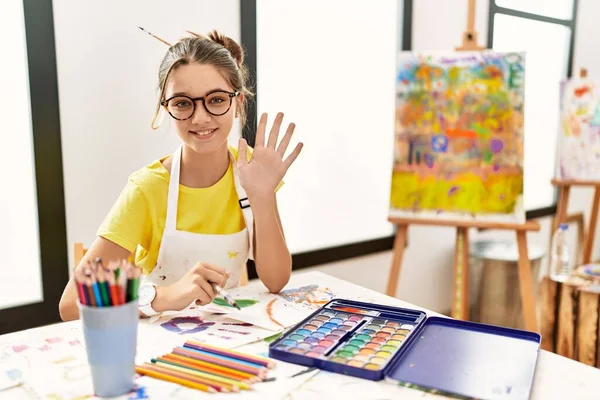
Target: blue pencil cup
[[111, 342]]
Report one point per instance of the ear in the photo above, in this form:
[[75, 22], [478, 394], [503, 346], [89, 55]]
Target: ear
[[239, 104]]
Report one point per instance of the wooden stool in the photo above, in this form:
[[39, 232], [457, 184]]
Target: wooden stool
[[570, 322]]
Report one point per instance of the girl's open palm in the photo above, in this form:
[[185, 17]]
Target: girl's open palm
[[267, 167]]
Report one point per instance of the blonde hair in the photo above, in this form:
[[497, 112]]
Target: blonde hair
[[216, 49]]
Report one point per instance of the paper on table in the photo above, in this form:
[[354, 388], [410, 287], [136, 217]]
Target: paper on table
[[266, 310]]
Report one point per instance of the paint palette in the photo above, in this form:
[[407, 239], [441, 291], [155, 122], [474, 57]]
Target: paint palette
[[354, 340], [375, 342]]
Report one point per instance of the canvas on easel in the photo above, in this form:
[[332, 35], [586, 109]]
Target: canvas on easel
[[579, 132], [459, 136], [578, 163]]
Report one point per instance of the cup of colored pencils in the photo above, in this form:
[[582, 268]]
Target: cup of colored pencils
[[208, 368], [108, 308]]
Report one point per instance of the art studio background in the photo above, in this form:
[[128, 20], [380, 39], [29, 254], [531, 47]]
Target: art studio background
[[81, 88]]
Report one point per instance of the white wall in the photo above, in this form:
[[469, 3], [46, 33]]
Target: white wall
[[107, 79], [337, 84]]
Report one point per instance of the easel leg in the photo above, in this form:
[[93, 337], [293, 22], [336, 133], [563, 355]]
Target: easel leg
[[460, 302], [561, 207], [589, 240], [526, 284], [394, 276]]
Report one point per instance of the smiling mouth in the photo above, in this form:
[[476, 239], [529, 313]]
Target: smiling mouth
[[205, 134]]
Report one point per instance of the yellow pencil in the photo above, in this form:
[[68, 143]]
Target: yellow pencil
[[203, 375], [231, 373], [182, 373], [174, 379]]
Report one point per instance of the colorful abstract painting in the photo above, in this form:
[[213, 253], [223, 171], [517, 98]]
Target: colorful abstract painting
[[459, 136], [579, 134]]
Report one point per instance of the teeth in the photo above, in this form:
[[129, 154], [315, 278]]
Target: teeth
[[204, 133]]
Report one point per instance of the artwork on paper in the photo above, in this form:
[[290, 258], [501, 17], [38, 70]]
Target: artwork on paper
[[53, 366], [459, 136], [264, 310], [311, 295], [579, 132]]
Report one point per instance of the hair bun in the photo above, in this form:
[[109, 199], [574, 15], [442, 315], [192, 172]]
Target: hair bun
[[234, 48]]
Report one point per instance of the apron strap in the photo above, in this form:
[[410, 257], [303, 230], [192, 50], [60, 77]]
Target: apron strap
[[173, 196], [245, 206]]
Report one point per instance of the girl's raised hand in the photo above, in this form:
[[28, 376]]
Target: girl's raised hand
[[267, 167]]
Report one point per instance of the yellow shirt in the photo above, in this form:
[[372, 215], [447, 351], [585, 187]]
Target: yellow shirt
[[137, 219]]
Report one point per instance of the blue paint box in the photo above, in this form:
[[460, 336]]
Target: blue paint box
[[375, 342]]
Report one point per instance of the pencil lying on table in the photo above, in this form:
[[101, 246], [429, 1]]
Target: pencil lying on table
[[221, 370]]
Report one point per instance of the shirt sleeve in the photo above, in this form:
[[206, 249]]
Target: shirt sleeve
[[128, 223]]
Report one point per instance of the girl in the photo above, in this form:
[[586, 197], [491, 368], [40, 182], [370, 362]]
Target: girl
[[194, 218]]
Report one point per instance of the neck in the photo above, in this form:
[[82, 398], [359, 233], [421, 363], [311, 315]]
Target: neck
[[203, 170]]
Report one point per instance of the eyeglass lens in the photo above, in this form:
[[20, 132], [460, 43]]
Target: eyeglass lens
[[182, 107]]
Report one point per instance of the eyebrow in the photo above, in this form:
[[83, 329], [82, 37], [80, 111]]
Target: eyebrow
[[188, 95]]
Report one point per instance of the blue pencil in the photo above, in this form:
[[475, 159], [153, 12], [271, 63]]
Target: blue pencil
[[97, 294], [237, 360]]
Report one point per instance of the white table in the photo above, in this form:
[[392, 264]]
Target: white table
[[556, 377]]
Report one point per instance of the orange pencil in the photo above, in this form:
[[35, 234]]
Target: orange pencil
[[231, 353], [197, 356], [173, 379], [207, 374], [183, 375], [232, 373]]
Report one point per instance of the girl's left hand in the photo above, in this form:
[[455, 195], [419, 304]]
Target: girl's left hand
[[266, 168]]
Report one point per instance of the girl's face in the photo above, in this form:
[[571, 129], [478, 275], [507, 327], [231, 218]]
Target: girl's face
[[203, 132]]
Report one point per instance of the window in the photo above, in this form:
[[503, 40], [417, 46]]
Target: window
[[33, 268], [545, 30]]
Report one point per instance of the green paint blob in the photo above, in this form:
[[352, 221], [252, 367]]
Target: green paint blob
[[487, 156], [243, 303], [273, 338]]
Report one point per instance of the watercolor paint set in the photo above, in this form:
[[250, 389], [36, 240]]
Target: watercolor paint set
[[375, 342]]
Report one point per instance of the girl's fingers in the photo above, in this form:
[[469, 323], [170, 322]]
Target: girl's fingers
[[286, 140], [292, 157], [273, 136]]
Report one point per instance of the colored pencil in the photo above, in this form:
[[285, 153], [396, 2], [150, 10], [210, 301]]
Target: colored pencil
[[208, 377], [102, 286], [81, 293], [222, 370], [218, 361], [173, 379], [105, 286], [219, 387], [224, 357], [244, 383], [234, 354], [209, 366]]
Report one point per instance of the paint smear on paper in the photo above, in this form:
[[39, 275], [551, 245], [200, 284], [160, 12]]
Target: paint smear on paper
[[243, 303]]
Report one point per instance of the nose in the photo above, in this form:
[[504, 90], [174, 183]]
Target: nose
[[201, 116]]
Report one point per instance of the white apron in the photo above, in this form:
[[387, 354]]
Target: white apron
[[180, 251]]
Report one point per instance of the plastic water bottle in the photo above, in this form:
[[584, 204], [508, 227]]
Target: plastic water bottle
[[560, 266]]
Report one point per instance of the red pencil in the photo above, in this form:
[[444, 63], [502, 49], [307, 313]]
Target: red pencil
[[82, 296]]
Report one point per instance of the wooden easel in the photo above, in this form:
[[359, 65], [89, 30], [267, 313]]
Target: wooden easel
[[460, 293], [564, 190], [460, 302]]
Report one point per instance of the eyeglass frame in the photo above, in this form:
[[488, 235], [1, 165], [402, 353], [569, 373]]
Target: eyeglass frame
[[231, 95]]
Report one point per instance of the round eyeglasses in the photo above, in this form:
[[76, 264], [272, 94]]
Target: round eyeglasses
[[215, 103]]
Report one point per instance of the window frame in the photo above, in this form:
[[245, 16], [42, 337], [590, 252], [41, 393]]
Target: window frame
[[572, 25], [47, 151]]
